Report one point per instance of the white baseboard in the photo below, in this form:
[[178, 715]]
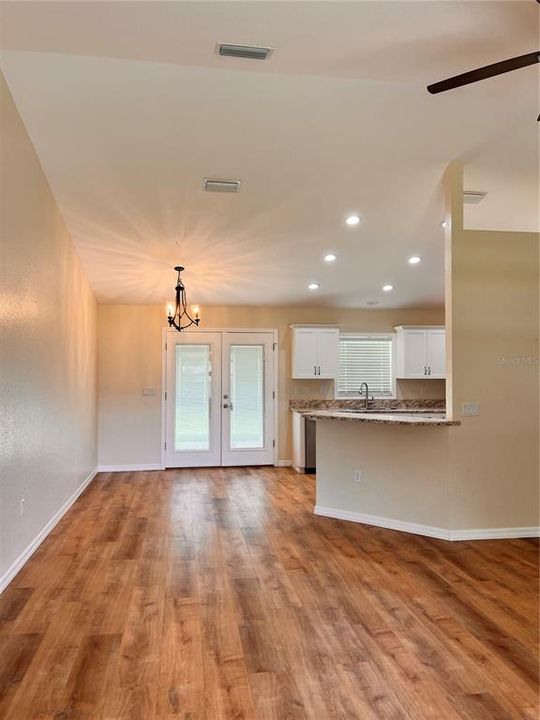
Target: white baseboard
[[495, 533], [26, 554], [388, 523], [128, 468], [429, 530], [157, 466]]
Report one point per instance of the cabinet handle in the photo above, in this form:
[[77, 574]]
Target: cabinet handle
[[425, 370], [319, 369], [314, 369], [429, 369]]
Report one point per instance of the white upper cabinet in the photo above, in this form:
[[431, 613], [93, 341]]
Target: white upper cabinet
[[315, 352], [304, 352], [420, 352], [328, 352], [411, 353], [436, 353]]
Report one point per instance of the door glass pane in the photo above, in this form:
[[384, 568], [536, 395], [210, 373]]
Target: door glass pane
[[247, 396], [192, 405]]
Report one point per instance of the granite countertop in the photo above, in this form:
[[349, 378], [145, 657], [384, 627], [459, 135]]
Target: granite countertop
[[387, 412], [405, 417]]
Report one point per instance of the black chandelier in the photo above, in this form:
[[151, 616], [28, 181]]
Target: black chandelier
[[181, 314]]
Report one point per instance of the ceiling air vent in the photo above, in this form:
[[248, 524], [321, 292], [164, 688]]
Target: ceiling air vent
[[473, 197], [249, 52], [223, 186]]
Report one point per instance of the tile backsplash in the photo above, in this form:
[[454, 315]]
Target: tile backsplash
[[421, 389], [406, 389]]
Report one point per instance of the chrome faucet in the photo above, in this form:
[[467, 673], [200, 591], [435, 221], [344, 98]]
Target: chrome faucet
[[366, 400]]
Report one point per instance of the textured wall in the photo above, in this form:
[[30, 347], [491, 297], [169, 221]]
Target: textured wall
[[130, 358], [494, 457], [47, 348]]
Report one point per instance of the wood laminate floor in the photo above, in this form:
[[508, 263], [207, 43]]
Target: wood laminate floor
[[209, 594]]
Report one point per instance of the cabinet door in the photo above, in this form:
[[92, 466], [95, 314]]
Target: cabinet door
[[436, 353], [328, 353], [414, 349], [304, 353]]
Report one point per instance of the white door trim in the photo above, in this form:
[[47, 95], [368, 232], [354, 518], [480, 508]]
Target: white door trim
[[167, 332]]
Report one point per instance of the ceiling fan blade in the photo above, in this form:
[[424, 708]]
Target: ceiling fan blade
[[484, 72]]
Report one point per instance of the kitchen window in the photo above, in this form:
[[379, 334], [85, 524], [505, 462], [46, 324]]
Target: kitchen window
[[366, 358]]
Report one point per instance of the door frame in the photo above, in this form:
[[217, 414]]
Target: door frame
[[167, 332]]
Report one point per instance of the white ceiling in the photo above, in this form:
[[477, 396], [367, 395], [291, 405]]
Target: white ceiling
[[508, 171], [129, 108]]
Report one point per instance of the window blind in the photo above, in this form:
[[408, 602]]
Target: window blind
[[365, 358]]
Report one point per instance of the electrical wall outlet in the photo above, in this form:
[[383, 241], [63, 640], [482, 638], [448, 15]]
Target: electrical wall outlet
[[357, 476], [149, 391], [470, 409], [22, 507]]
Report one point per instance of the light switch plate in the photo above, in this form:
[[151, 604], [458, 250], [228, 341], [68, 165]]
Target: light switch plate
[[470, 409], [149, 391]]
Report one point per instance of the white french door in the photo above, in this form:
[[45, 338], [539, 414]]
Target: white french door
[[193, 404], [219, 400], [247, 420]]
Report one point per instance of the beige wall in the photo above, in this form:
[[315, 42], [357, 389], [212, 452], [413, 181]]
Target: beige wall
[[47, 349], [492, 317], [404, 471], [130, 359]]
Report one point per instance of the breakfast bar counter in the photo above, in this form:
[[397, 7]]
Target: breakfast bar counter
[[386, 465], [404, 417]]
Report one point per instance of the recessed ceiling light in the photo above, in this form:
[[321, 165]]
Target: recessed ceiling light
[[414, 260], [330, 257], [313, 286], [387, 288], [353, 220], [444, 223]]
